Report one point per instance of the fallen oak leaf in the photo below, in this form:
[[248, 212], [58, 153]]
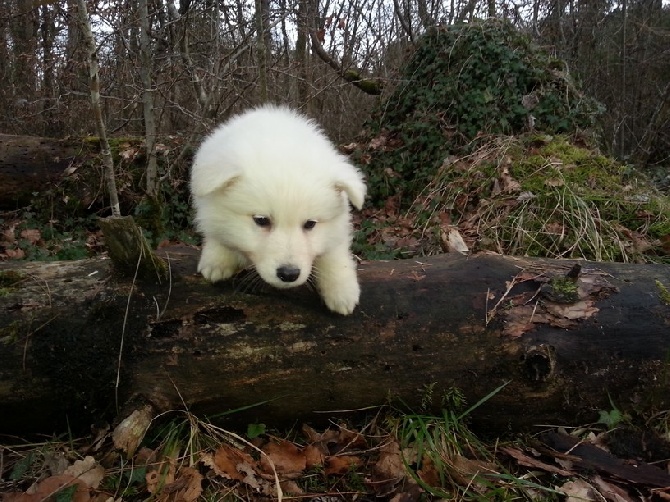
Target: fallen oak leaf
[[341, 464], [314, 456], [389, 470], [228, 462], [160, 475], [578, 490], [49, 488], [186, 488], [288, 459], [87, 470]]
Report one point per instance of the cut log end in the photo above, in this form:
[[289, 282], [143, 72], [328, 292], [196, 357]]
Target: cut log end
[[129, 250]]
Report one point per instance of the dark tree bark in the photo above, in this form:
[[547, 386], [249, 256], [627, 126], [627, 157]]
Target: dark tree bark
[[564, 340]]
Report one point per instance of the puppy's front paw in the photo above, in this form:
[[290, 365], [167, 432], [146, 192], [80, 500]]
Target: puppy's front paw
[[218, 263], [343, 298]]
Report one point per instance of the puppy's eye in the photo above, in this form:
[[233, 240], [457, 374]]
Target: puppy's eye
[[309, 225], [262, 221]]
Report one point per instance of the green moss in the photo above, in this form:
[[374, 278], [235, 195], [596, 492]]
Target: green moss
[[663, 292], [10, 333], [563, 290], [149, 216], [9, 279], [540, 195]]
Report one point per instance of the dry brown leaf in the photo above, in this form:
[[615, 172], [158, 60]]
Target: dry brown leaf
[[378, 142], [580, 310], [465, 470], [331, 441], [252, 479], [32, 235], [55, 462], [509, 184], [291, 487], [453, 242], [352, 440], [314, 455], [19, 497], [160, 475], [311, 434], [229, 460], [15, 254], [128, 153], [389, 470], [555, 228], [515, 328], [48, 487], [87, 470], [186, 488], [578, 490], [287, 458], [7, 234], [390, 464], [428, 473], [341, 464]]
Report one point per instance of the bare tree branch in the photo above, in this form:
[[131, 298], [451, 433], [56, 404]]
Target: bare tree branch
[[368, 86]]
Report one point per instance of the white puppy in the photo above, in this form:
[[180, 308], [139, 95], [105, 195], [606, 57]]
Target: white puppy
[[271, 191]]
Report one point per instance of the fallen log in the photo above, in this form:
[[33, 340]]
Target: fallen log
[[567, 341], [30, 164]]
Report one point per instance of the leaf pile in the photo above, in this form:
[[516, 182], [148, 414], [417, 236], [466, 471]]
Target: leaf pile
[[408, 458], [464, 81], [530, 195]]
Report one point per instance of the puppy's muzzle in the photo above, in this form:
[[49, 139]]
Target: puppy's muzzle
[[288, 273]]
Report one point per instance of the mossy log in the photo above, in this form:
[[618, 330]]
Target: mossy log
[[129, 251], [567, 341]]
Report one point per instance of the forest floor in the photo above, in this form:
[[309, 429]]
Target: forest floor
[[398, 456]]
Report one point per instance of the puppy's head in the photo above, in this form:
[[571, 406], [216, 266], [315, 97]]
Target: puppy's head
[[279, 225], [279, 199]]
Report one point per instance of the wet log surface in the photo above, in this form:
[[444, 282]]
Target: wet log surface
[[563, 347]]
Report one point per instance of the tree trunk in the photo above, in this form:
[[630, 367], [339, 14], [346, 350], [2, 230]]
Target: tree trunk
[[96, 108], [150, 128], [564, 340]]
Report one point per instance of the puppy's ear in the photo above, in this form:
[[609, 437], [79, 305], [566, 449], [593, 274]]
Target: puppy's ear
[[208, 175], [350, 181]]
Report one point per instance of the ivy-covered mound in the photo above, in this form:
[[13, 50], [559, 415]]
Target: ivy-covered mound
[[480, 133], [462, 82]]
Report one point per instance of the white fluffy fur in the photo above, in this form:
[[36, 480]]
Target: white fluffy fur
[[275, 164]]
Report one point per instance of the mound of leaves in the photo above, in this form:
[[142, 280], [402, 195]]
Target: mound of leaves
[[532, 195], [462, 82]]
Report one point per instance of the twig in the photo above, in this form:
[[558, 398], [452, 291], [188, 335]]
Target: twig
[[123, 330]]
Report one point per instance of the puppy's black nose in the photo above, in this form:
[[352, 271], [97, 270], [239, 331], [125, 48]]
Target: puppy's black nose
[[288, 273]]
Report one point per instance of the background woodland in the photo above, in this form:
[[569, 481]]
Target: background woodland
[[512, 127], [197, 61]]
